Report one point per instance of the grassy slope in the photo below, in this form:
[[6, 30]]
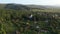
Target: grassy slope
[[9, 26], [2, 6]]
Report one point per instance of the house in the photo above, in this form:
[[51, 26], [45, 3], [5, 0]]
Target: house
[[30, 16], [37, 27]]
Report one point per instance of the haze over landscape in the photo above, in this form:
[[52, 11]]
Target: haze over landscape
[[36, 2]]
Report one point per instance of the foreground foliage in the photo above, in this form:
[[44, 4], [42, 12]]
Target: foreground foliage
[[17, 22]]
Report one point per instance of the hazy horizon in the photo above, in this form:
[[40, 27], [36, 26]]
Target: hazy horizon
[[33, 2]]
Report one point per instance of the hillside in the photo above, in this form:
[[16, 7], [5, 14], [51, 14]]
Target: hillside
[[25, 7], [2, 6], [21, 6], [21, 22], [14, 6]]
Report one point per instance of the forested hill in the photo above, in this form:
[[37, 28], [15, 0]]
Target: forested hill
[[22, 7], [17, 7], [25, 7], [14, 6]]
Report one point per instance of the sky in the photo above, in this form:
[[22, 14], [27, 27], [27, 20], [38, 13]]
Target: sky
[[37, 2]]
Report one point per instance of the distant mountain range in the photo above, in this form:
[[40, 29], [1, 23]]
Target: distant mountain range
[[24, 7]]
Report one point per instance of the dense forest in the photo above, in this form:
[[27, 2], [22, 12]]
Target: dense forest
[[29, 22]]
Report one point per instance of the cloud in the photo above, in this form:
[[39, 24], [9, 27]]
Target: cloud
[[39, 2]]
